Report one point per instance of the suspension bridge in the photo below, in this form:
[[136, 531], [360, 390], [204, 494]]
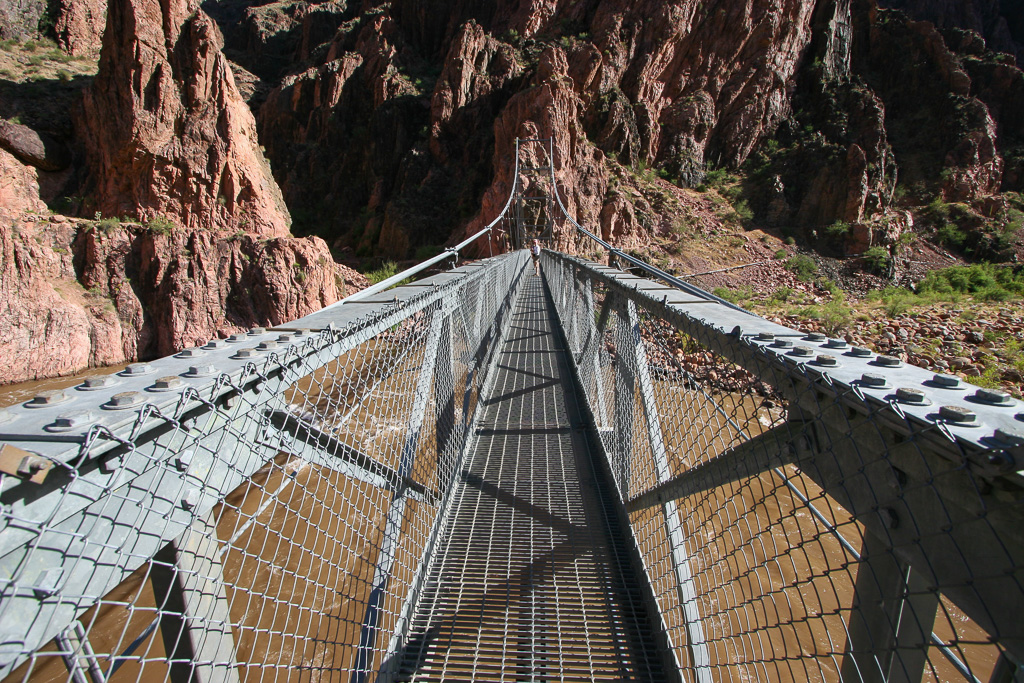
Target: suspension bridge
[[600, 473]]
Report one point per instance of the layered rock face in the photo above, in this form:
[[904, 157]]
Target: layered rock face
[[165, 131], [407, 121], [73, 295]]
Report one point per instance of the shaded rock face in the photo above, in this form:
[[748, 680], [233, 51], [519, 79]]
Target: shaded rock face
[[165, 131], [20, 18], [1000, 22], [72, 296], [34, 148]]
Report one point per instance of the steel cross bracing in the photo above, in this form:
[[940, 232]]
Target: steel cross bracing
[[531, 579]]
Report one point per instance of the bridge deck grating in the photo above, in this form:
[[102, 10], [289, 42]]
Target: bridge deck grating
[[530, 583]]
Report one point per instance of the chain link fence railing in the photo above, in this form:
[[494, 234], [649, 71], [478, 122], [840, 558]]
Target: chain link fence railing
[[260, 508], [803, 510]]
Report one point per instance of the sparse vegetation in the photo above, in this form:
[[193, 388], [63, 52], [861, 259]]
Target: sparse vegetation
[[877, 260], [160, 225], [803, 267]]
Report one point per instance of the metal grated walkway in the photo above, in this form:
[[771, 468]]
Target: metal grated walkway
[[532, 581]]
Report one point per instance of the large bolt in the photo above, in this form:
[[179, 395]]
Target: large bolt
[[946, 381], [802, 351], [284, 339], [301, 332], [815, 337], [125, 399], [993, 397], [257, 330], [48, 582], [836, 344], [861, 352], [266, 345], [874, 381], [191, 353], [45, 399], [783, 344], [1011, 436], [237, 338], [215, 344], [67, 422], [827, 361], [887, 361], [136, 369], [765, 336], [168, 383], [183, 460], [191, 499], [958, 415], [201, 371], [96, 383], [243, 354], [912, 396]]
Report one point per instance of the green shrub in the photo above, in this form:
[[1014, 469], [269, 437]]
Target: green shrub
[[835, 316], [877, 260], [386, 270], [781, 254], [838, 231], [735, 296], [160, 225], [949, 235], [781, 295], [984, 280], [107, 224], [803, 266]]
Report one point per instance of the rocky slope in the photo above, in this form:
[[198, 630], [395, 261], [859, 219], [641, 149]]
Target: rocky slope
[[390, 129], [161, 136]]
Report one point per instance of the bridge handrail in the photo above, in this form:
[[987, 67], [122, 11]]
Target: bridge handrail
[[145, 458], [926, 469]]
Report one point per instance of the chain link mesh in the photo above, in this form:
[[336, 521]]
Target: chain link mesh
[[275, 526], [775, 516]]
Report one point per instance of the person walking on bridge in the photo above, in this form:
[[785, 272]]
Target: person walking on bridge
[[535, 253]]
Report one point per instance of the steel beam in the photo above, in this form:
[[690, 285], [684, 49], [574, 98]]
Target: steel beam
[[634, 353]]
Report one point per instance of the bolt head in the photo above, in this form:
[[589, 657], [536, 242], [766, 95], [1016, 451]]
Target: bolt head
[[191, 353], [45, 399], [167, 383], [48, 582], [803, 351], [887, 361], [237, 338], [94, 383], [67, 422], [958, 415], [765, 336], [946, 381], [257, 330], [861, 352], [183, 460], [1010, 436], [783, 344], [215, 344], [125, 399], [815, 337], [836, 344], [245, 353], [912, 396], [136, 369], [201, 371], [190, 500], [993, 397], [284, 339], [302, 332], [870, 379], [266, 345], [827, 360]]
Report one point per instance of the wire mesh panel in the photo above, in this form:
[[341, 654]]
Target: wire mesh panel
[[260, 513], [803, 510]]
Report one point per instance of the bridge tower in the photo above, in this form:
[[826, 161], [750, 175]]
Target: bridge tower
[[533, 203]]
